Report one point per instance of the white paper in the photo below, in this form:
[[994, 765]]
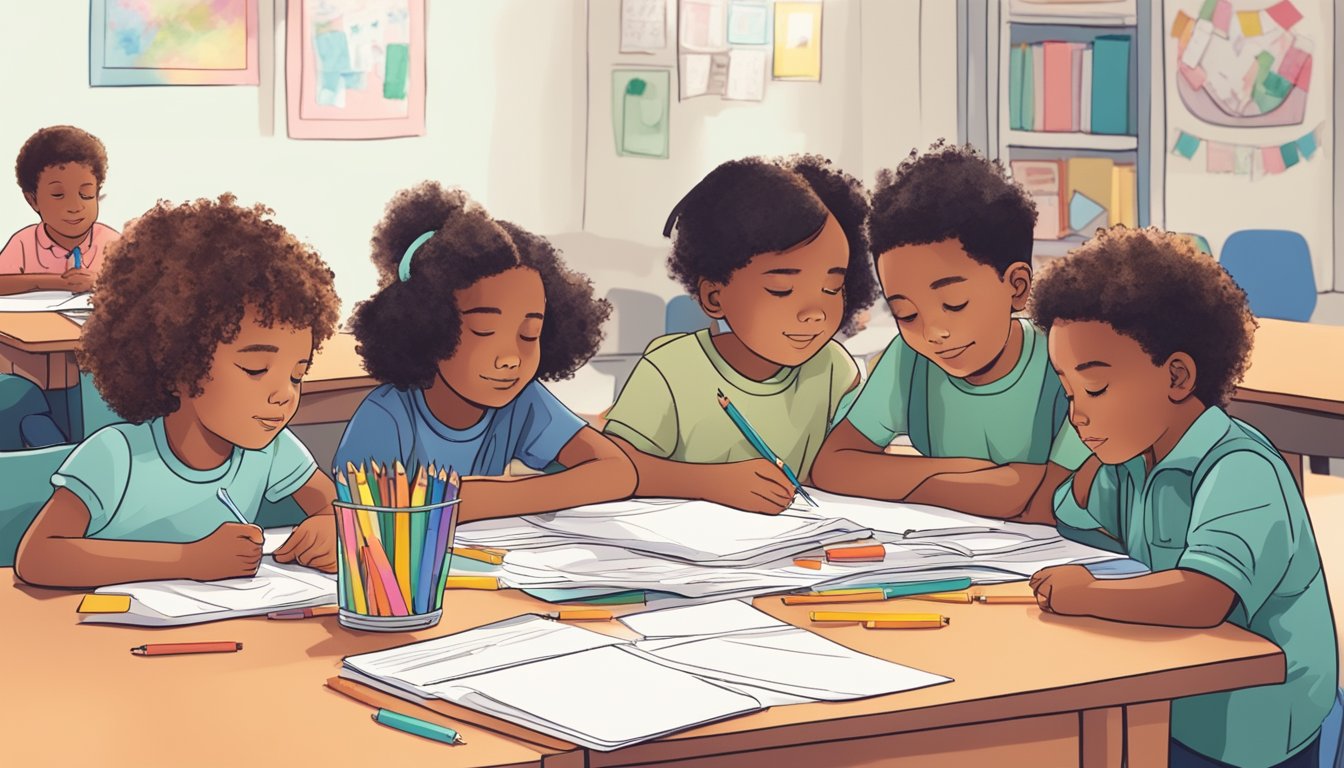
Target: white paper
[[275, 586], [695, 75], [46, 301], [643, 26], [704, 25], [722, 617], [746, 75], [1199, 41]]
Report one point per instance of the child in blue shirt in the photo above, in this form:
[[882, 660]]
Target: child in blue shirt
[[1150, 337], [208, 315], [470, 312]]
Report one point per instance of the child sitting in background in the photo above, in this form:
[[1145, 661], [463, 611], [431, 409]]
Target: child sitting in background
[[1151, 338], [207, 317], [777, 249], [469, 313]]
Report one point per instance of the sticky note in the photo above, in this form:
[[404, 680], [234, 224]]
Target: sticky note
[[1303, 79], [1243, 161], [1186, 145], [1195, 76], [1221, 157], [1289, 152], [1206, 12], [1284, 13], [1250, 23], [105, 604], [1307, 145], [1082, 211], [1222, 17], [1272, 159], [1178, 26]]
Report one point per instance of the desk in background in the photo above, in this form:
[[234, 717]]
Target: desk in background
[[1030, 689]]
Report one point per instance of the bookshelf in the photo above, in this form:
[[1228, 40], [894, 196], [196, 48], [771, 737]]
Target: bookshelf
[[988, 32]]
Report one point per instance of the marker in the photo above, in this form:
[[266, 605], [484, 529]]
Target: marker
[[472, 582], [872, 553], [417, 727], [862, 616], [1006, 599], [807, 562], [169, 649], [581, 614], [942, 597], [223, 496], [79, 257], [304, 613], [941, 622]]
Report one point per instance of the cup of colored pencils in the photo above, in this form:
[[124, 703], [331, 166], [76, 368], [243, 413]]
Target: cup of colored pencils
[[394, 528]]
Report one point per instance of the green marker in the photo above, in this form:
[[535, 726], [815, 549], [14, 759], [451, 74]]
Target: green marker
[[417, 727]]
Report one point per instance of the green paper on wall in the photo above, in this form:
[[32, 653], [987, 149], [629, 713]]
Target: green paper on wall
[[1187, 145], [639, 111], [396, 71], [1289, 152]]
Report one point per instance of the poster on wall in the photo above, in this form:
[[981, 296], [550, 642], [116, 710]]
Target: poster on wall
[[798, 41], [355, 69], [173, 42], [639, 111], [1244, 65], [723, 48]]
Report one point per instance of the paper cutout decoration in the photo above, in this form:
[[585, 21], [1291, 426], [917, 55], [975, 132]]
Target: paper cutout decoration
[[639, 111], [1242, 160], [1254, 72], [186, 42], [1083, 210]]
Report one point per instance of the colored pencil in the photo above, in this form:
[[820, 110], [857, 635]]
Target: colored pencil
[[754, 437], [447, 522], [349, 543]]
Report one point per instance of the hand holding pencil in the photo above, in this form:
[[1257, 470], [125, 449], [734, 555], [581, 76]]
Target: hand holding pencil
[[754, 437]]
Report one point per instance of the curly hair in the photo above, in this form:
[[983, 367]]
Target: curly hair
[[58, 145], [953, 192], [1156, 288], [175, 286], [466, 247], [757, 205]]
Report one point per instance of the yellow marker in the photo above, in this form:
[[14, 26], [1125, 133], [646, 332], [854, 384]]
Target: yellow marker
[[581, 614], [942, 621], [472, 582], [491, 556], [870, 616], [942, 597], [105, 604]]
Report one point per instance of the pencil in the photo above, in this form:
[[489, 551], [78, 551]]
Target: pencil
[[581, 614], [361, 483], [1006, 599], [342, 487], [871, 616], [942, 597], [472, 582], [871, 553], [754, 437], [491, 556], [401, 491], [447, 524], [866, 596], [350, 545], [304, 613], [941, 622]]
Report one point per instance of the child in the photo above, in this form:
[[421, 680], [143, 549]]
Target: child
[[777, 249], [207, 317], [1151, 337], [469, 312], [970, 385], [60, 170]]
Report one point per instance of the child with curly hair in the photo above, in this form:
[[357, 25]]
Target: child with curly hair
[[968, 383], [206, 319], [470, 312], [1151, 337], [776, 248], [60, 171]]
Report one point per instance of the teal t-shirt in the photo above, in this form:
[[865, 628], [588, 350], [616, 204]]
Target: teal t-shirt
[[137, 489], [1224, 504], [1021, 417]]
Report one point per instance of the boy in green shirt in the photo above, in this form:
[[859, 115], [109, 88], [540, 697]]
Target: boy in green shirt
[[776, 248], [1151, 337], [968, 383]]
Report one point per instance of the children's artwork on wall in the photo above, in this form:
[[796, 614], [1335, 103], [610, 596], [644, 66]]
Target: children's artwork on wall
[[798, 41], [723, 49], [1254, 161], [1243, 67], [643, 26], [173, 42], [639, 111], [355, 69]]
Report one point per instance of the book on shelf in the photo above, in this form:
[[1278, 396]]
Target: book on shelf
[[1058, 86], [1044, 182], [1077, 195]]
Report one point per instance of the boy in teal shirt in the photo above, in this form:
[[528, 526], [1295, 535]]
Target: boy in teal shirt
[[967, 382], [1151, 337]]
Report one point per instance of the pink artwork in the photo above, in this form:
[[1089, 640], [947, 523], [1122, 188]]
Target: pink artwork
[[355, 69]]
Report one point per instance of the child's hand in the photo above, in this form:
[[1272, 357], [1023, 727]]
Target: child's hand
[[312, 544], [232, 551], [1063, 589], [752, 486], [77, 280]]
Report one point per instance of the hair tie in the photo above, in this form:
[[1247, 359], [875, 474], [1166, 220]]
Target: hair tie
[[404, 268]]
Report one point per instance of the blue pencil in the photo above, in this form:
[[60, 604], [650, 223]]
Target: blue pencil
[[754, 438], [424, 583]]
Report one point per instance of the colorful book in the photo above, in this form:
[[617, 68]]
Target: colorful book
[[1016, 67], [1092, 177], [1076, 86], [1028, 88], [1043, 181], [1085, 96], [1038, 87], [1058, 58], [1110, 84], [1127, 189]]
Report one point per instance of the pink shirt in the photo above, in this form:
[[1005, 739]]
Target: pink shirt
[[31, 251]]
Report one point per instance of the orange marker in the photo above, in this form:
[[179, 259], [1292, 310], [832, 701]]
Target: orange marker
[[807, 562], [866, 554], [169, 649]]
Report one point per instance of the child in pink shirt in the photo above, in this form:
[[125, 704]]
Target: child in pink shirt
[[60, 170]]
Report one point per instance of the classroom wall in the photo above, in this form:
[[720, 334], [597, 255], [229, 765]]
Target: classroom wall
[[504, 120], [1301, 199]]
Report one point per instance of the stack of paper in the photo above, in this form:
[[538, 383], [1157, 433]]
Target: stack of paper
[[46, 301], [699, 664]]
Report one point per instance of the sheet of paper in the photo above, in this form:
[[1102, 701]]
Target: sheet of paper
[[710, 619], [704, 25], [798, 41], [694, 75], [272, 538], [643, 26], [746, 75], [275, 586], [748, 23], [1198, 43], [46, 301]]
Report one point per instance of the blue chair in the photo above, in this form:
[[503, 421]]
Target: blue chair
[[684, 315], [25, 416], [1273, 266], [94, 412], [1332, 731]]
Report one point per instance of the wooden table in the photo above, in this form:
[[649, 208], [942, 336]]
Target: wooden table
[[1030, 689]]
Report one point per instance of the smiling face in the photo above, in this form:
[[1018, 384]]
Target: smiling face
[[951, 308], [1120, 401], [252, 388], [785, 305], [499, 349], [66, 199]]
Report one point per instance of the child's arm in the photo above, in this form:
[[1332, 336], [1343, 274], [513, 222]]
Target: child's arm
[[596, 471], [1021, 492], [313, 542], [751, 486], [851, 464], [55, 553], [22, 283], [1174, 598]]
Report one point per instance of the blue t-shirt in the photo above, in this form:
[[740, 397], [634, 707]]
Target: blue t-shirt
[[397, 424]]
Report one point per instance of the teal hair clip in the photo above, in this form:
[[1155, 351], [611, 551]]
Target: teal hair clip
[[404, 268]]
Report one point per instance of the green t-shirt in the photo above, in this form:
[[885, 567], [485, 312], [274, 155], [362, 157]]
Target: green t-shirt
[[1224, 504], [669, 406], [136, 488], [1021, 417]]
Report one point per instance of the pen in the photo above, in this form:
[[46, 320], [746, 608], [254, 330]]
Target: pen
[[581, 614], [168, 649], [417, 727], [304, 613], [1006, 599], [754, 438], [223, 496]]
